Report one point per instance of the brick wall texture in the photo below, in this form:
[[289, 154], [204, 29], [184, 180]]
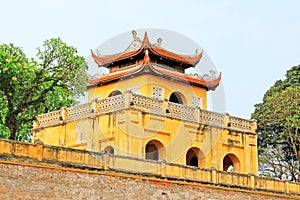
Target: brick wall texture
[[34, 182]]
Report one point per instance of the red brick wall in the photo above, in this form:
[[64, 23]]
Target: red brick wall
[[34, 182]]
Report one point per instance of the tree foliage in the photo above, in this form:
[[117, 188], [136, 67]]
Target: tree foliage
[[278, 120], [30, 87]]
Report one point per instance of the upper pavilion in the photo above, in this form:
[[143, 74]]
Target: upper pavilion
[[142, 58]]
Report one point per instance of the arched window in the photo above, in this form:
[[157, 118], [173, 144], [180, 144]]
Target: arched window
[[114, 93], [155, 150], [109, 149], [231, 163], [177, 97], [194, 157]]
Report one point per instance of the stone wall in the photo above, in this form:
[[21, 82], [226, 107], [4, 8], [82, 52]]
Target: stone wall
[[34, 171], [35, 182]]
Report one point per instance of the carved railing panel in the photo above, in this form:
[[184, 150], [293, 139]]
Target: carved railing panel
[[181, 111], [240, 124], [147, 104], [211, 118], [111, 104], [78, 111], [48, 118]]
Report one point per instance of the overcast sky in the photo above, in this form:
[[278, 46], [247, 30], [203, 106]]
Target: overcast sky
[[252, 43]]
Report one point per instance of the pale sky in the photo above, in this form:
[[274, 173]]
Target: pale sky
[[252, 43]]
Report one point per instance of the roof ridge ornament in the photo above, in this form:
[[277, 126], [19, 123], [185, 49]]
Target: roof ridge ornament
[[158, 43], [210, 76], [134, 35]]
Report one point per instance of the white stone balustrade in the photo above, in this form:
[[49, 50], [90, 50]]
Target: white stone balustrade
[[181, 111], [78, 111], [240, 124], [110, 104], [211, 118], [146, 105], [48, 118]]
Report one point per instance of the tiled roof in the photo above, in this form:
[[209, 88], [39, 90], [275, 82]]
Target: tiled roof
[[190, 61], [150, 68]]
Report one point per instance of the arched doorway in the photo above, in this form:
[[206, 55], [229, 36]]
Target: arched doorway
[[109, 149], [155, 150], [194, 156], [231, 163], [114, 93], [177, 97]]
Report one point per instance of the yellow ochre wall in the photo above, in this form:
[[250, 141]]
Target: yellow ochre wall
[[146, 82], [128, 125], [129, 131]]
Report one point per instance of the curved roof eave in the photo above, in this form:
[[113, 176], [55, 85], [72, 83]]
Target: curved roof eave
[[149, 68], [191, 60]]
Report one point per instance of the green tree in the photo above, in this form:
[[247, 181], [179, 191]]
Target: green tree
[[278, 120], [30, 87]]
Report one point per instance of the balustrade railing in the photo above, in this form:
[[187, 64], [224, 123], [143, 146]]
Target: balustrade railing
[[110, 104], [211, 118], [48, 118], [78, 111], [147, 105], [181, 111], [241, 124]]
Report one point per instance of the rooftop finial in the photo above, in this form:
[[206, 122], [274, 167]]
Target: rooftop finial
[[146, 39]]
